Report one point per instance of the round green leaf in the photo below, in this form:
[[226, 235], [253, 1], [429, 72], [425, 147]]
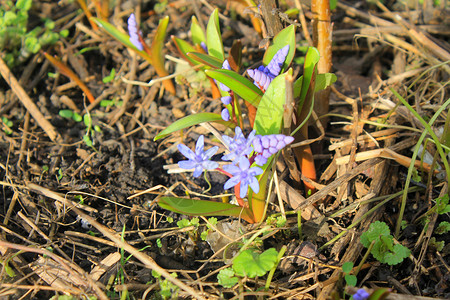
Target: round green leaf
[[250, 263]]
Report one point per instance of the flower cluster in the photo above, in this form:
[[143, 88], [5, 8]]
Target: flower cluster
[[263, 76], [242, 153], [133, 31], [226, 100]]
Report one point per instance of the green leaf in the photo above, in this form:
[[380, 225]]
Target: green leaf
[[269, 115], [214, 37], [438, 245], [110, 77], [87, 120], [283, 38], [119, 36], [351, 280], [184, 48], [442, 228], [311, 60], [205, 59], [347, 267], [397, 256], [195, 207], [324, 80], [66, 113], [76, 117], [24, 4], [192, 120], [32, 44], [198, 36], [183, 223], [333, 4], [376, 230], [238, 84], [250, 263], [226, 278]]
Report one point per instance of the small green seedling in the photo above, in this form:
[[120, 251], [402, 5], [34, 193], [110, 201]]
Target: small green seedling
[[383, 248], [7, 124], [350, 279], [211, 222], [110, 77], [167, 289], [16, 40], [443, 228]]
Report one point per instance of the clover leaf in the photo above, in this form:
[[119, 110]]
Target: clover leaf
[[250, 263]]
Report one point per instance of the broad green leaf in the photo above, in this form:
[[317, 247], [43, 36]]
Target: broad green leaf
[[311, 60], [184, 48], [283, 38], [238, 84], [333, 4], [198, 36], [376, 230], [120, 36], [250, 263], [205, 59], [347, 267], [192, 120], [269, 115], [214, 37], [324, 80], [195, 207], [351, 280]]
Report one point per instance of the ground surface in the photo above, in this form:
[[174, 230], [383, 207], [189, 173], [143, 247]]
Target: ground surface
[[44, 177]]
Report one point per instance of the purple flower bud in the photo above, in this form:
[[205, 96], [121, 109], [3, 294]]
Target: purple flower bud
[[265, 141], [269, 145], [257, 144], [266, 153], [226, 100], [226, 65], [133, 31], [203, 45], [262, 80], [260, 160], [225, 114], [278, 60]]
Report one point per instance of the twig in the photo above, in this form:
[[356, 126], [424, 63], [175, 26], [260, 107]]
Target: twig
[[27, 102]]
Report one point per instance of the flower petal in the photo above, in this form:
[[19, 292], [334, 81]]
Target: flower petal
[[231, 182], [200, 145], [186, 151], [187, 164]]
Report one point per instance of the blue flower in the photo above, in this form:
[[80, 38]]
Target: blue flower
[[239, 145], [200, 160], [361, 294], [133, 31], [243, 174]]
